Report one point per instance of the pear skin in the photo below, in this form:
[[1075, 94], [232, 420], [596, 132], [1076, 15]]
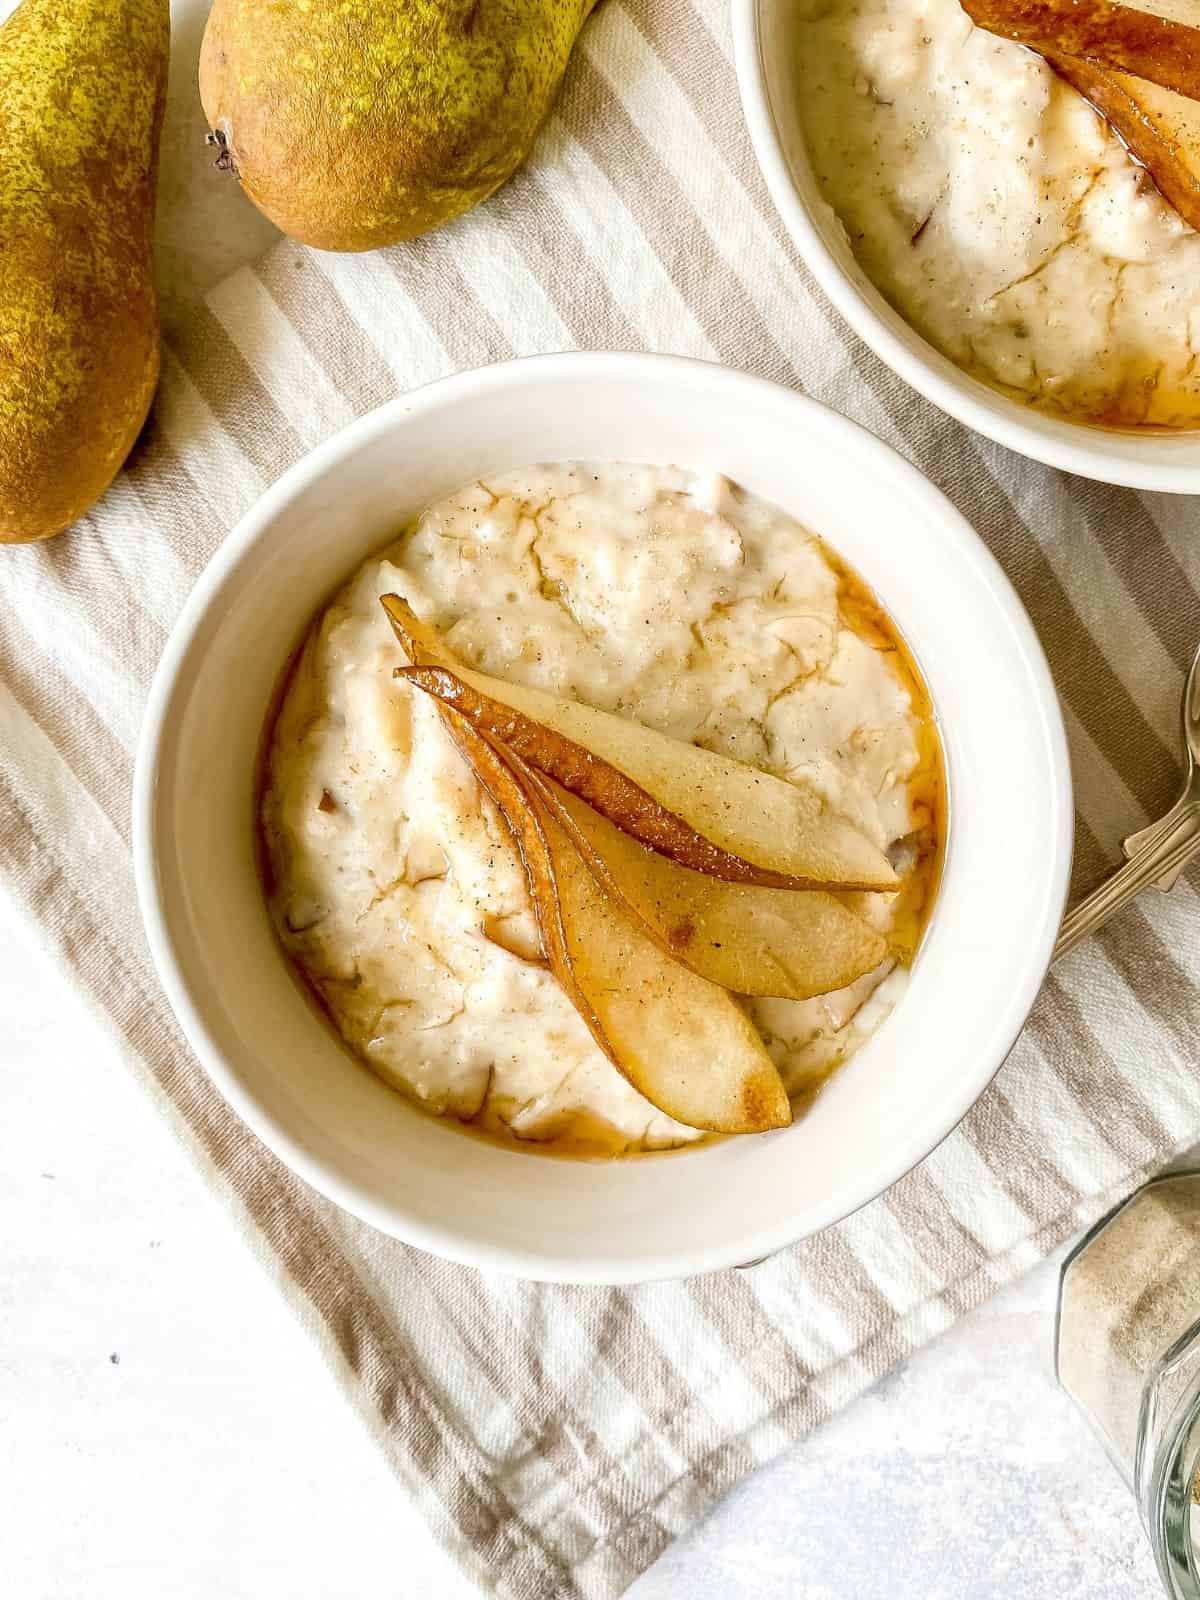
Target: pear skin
[[357, 123], [82, 90]]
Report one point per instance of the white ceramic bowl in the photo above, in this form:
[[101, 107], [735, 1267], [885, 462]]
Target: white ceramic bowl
[[767, 44], [360, 1143]]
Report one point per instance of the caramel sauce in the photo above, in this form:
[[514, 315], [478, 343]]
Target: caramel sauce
[[1144, 401], [861, 612], [1143, 404]]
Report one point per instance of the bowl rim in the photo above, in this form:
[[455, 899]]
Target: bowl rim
[[1056, 442], [449, 1240]]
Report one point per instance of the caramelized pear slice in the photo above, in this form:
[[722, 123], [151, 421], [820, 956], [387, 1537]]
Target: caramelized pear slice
[[790, 943], [717, 816], [1160, 128], [681, 1042], [1157, 40]]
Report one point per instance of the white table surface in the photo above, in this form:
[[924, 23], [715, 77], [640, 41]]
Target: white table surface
[[166, 1430]]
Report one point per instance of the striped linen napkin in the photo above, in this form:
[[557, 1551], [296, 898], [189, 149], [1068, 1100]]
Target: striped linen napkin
[[558, 1438]]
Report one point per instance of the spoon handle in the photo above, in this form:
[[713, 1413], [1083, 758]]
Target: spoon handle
[[1164, 855], [1135, 843]]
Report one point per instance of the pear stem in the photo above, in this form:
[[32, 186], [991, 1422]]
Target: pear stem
[[224, 161]]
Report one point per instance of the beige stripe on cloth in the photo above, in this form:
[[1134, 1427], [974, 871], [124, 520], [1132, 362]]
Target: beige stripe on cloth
[[558, 1438]]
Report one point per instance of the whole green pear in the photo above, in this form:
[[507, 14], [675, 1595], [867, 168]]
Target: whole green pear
[[357, 123], [82, 89]]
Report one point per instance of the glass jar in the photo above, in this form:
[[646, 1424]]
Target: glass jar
[[1127, 1351]]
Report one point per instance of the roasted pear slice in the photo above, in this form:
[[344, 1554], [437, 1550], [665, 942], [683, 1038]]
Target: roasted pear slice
[[717, 816], [1156, 40], [681, 1042], [1159, 127], [791, 943]]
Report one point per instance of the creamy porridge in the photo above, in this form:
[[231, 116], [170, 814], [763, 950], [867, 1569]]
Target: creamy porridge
[[649, 592], [998, 213]]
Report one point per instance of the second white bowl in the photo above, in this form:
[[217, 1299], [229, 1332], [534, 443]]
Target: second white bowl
[[766, 47]]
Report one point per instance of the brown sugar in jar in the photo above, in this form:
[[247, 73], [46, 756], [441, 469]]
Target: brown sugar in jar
[[1128, 1353]]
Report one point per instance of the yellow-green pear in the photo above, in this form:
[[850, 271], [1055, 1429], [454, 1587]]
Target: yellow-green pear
[[82, 89], [356, 123]]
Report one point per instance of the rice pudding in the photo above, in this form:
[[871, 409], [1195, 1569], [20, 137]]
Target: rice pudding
[[653, 593], [998, 213]]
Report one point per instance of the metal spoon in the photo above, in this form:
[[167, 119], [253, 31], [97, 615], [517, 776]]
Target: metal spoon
[[1155, 856]]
